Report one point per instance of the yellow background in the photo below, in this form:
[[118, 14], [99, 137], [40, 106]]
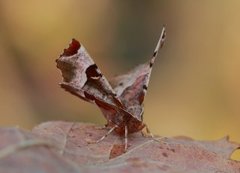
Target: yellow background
[[195, 85]]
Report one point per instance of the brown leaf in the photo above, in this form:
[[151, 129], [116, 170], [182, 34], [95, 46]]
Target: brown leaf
[[67, 147], [23, 152]]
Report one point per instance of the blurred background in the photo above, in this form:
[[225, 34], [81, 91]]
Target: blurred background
[[194, 88]]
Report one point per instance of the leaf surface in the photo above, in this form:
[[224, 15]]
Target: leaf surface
[[68, 147]]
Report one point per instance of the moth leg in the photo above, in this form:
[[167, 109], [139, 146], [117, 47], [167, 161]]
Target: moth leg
[[151, 135], [110, 131], [148, 131], [143, 134], [126, 139], [102, 127]]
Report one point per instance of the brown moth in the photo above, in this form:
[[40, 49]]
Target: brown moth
[[120, 99]]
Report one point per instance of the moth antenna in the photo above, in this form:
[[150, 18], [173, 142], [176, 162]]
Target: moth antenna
[[159, 45]]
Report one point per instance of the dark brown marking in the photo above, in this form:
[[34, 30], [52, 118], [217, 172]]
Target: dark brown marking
[[154, 54], [89, 96], [163, 38], [164, 35], [173, 150], [165, 154], [120, 84], [92, 72], [72, 49], [114, 94], [145, 87], [151, 64]]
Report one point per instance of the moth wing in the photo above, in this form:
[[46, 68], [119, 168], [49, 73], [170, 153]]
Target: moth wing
[[82, 77], [131, 88], [109, 110]]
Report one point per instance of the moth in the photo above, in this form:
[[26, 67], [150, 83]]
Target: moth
[[120, 99]]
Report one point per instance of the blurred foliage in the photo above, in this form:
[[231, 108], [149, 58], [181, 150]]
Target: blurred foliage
[[194, 89]]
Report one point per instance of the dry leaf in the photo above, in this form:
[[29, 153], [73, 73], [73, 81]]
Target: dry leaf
[[67, 147]]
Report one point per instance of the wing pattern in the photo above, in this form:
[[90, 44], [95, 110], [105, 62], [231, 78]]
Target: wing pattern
[[120, 100]]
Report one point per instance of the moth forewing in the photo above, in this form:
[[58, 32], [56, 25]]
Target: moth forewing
[[120, 100]]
